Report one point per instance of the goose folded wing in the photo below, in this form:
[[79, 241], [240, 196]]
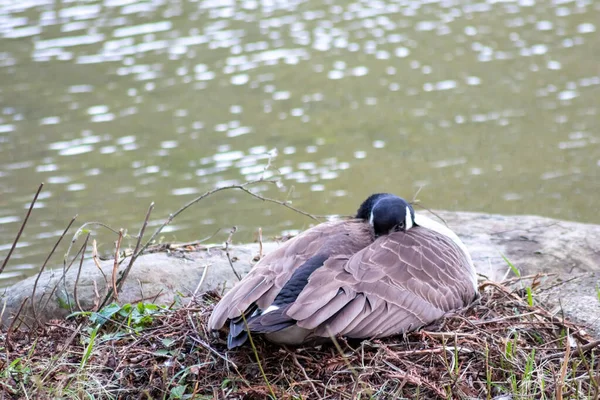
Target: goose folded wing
[[269, 275], [399, 283]]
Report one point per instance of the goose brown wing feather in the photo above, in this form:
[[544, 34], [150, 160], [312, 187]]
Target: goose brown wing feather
[[409, 279], [270, 274]]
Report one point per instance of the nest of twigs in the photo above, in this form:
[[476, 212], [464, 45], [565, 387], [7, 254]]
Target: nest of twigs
[[501, 347]]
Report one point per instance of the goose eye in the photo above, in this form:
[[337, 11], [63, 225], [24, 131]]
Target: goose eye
[[401, 226]]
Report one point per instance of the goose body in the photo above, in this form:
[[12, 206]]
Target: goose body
[[385, 272]]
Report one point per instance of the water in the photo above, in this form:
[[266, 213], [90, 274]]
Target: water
[[488, 106]]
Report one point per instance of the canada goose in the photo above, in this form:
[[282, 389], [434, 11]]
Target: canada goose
[[385, 272]]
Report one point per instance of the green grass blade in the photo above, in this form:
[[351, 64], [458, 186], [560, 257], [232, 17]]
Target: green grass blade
[[512, 267], [89, 347]]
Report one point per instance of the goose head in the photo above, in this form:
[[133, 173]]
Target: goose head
[[387, 213]]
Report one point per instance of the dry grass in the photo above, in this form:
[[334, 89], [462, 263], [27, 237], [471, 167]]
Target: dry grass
[[499, 346]]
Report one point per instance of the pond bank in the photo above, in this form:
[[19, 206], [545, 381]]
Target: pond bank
[[567, 252]]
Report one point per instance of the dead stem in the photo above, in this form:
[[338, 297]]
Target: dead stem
[[12, 324], [260, 367], [136, 252], [81, 230], [96, 297], [87, 237], [511, 357], [260, 244], [582, 349], [310, 381], [62, 279], [227, 242], [44, 267], [202, 278], [244, 187], [116, 284], [430, 211], [418, 381], [527, 277], [115, 292], [12, 248], [563, 369], [62, 351], [97, 263]]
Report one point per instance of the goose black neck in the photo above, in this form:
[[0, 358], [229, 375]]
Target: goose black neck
[[387, 213], [364, 211]]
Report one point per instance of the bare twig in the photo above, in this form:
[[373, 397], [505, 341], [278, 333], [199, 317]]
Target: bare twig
[[79, 272], [177, 246], [12, 324], [533, 276], [260, 244], [547, 288], [80, 230], [233, 230], [244, 187], [62, 279], [136, 252], [12, 248], [416, 380], [115, 292], [281, 203], [3, 309], [414, 199], [448, 334], [44, 267], [96, 297], [563, 369], [417, 202], [308, 379], [585, 348], [341, 353], [97, 263], [206, 266], [496, 320], [209, 348], [432, 212], [140, 249], [63, 349], [260, 367]]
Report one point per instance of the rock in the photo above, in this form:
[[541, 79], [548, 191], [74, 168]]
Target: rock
[[156, 277], [532, 244]]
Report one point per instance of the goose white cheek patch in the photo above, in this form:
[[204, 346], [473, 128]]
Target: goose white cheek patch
[[408, 222]]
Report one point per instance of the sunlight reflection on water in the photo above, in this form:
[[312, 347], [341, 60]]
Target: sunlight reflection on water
[[491, 106]]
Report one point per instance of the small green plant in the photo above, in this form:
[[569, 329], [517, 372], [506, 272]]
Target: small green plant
[[515, 270], [178, 392], [260, 367], [529, 296], [148, 351], [19, 370], [89, 347], [131, 318], [528, 374]]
